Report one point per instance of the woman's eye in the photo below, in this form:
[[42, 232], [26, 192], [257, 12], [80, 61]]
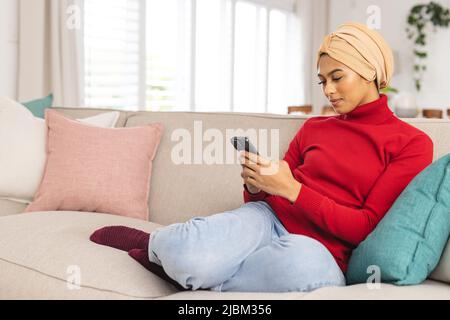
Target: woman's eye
[[335, 79]]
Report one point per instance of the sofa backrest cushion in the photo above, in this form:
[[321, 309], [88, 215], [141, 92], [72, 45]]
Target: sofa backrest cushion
[[442, 271], [198, 187], [182, 192]]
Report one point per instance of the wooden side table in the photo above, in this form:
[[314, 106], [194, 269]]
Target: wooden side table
[[433, 113], [306, 109]]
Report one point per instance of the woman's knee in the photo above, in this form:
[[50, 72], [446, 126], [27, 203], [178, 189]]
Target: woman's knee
[[315, 266], [194, 271], [180, 245], [167, 243]]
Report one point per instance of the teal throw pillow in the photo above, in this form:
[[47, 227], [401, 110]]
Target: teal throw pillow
[[37, 107], [407, 244]]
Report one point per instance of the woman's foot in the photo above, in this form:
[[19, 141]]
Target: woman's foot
[[122, 238], [141, 256]]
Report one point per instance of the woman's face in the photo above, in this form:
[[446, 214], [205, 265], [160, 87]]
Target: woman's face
[[344, 88]]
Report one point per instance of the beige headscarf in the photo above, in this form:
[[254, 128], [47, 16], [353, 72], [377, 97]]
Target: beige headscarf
[[361, 49]]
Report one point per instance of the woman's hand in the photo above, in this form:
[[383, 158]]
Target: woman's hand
[[273, 177], [244, 175], [250, 188]]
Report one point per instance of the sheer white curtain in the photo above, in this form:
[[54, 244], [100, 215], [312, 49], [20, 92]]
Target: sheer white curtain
[[199, 55], [51, 55], [50, 51], [313, 18]]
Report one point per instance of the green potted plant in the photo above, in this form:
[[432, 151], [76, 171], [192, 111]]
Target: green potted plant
[[421, 16], [390, 92]]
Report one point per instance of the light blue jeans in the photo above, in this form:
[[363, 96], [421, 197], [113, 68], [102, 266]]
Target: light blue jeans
[[243, 250]]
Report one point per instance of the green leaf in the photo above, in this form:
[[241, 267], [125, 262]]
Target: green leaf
[[419, 17], [420, 54], [389, 90], [418, 86]]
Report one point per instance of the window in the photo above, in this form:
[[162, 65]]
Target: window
[[192, 55], [112, 36], [168, 46]]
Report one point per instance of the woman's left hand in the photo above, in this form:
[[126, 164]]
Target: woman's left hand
[[273, 177]]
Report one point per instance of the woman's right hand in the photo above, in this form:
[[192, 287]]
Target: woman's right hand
[[252, 189]]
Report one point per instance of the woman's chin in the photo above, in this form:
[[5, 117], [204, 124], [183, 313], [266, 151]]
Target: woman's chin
[[342, 109], [339, 111]]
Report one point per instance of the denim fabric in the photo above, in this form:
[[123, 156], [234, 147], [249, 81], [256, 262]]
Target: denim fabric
[[243, 250]]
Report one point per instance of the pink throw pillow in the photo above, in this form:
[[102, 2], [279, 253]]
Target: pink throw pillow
[[94, 169]]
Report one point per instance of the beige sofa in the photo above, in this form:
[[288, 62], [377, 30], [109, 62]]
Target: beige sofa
[[48, 255]]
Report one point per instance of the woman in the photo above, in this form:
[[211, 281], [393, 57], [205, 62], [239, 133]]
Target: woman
[[299, 225]]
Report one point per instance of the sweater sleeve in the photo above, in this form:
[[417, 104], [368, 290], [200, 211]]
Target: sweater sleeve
[[292, 156], [353, 225]]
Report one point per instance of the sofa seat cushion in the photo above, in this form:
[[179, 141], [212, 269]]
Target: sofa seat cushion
[[10, 207], [428, 290], [48, 255]]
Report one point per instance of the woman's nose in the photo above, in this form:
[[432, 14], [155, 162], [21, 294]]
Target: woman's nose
[[329, 90]]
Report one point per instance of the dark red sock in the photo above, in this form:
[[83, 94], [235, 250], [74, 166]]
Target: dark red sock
[[122, 238], [141, 256]]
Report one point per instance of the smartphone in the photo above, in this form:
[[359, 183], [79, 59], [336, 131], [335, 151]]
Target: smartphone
[[243, 143]]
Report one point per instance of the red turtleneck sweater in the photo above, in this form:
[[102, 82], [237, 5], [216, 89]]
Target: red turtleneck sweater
[[352, 168]]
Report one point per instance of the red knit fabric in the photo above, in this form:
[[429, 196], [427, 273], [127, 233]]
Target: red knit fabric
[[352, 168]]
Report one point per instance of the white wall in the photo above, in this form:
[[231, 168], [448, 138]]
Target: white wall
[[435, 92], [8, 47]]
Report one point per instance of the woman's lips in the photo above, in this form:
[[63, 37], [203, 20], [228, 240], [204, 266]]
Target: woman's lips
[[335, 103]]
